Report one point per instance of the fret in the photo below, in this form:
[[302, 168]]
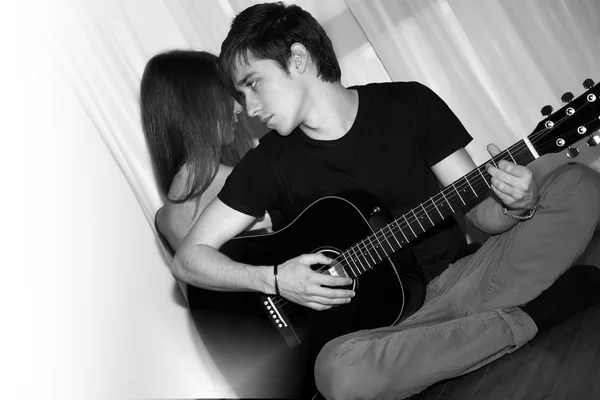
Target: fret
[[474, 192], [483, 177], [401, 231], [432, 224], [349, 265], [394, 236], [507, 150], [357, 262], [379, 245], [449, 205], [461, 199], [356, 257], [409, 225], [373, 247], [436, 207], [366, 251], [364, 265], [417, 218], [388, 242]]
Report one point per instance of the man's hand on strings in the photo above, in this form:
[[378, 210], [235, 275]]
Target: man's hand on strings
[[513, 184], [300, 284]]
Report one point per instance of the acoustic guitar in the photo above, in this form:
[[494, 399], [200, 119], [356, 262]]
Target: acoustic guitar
[[369, 246]]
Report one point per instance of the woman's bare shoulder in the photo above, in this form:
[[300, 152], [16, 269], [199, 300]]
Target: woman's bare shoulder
[[176, 219]]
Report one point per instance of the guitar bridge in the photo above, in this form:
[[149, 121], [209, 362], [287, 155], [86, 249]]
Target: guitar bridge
[[280, 321]]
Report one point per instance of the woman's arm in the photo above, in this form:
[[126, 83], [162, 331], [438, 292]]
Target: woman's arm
[[176, 220]]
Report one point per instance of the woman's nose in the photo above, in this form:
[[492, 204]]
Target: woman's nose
[[237, 107]]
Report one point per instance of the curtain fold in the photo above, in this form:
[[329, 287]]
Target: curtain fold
[[496, 63]]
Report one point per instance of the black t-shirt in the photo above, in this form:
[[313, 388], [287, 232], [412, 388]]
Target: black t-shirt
[[400, 131]]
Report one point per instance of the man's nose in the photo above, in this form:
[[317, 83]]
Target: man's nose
[[252, 107]]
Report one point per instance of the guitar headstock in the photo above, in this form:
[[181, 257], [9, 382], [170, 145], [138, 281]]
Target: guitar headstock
[[578, 119]]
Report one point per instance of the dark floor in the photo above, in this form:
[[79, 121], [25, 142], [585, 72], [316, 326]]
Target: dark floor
[[563, 363]]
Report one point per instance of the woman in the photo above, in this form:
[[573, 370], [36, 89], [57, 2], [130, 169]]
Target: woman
[[193, 133]]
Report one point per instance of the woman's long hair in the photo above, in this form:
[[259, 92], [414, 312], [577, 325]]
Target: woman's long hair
[[187, 116]]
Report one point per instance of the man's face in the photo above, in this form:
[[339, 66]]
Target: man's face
[[270, 94]]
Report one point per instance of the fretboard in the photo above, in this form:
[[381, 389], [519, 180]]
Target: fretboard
[[467, 190]]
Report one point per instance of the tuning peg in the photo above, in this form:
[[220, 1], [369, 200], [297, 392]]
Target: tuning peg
[[588, 83], [546, 110], [594, 140], [572, 152], [567, 97]]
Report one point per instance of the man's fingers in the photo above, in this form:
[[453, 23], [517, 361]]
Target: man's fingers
[[493, 149], [326, 301], [506, 189], [332, 293], [516, 177], [317, 306], [316, 258], [330, 280], [504, 198]]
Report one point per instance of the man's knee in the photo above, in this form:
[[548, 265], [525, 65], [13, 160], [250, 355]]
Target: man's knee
[[577, 176], [575, 183], [332, 372], [345, 370]]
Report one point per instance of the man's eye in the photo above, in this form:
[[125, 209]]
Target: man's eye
[[252, 84]]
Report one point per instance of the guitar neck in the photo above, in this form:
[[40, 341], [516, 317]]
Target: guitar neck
[[366, 254]]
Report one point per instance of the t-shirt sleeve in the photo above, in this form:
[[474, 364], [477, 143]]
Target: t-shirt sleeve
[[439, 131], [249, 188]]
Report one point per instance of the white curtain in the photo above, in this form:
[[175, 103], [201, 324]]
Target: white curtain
[[496, 63]]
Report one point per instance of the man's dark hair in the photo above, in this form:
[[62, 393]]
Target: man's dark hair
[[268, 30]]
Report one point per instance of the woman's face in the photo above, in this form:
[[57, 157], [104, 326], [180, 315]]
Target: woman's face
[[237, 110]]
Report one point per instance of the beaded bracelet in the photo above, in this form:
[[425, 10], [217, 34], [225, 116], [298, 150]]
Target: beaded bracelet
[[525, 217]]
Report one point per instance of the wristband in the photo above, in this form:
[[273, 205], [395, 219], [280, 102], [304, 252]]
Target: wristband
[[525, 217], [276, 283]]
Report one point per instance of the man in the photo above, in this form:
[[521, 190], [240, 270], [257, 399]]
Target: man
[[398, 141]]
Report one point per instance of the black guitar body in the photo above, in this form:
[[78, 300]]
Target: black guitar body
[[263, 353], [236, 328]]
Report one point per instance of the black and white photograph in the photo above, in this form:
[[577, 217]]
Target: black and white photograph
[[301, 199]]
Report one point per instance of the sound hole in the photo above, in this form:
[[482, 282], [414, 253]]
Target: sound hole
[[333, 269]]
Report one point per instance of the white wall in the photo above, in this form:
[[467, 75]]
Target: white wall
[[88, 305]]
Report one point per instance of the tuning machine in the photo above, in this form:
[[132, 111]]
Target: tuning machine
[[567, 97], [547, 110], [594, 137], [572, 152]]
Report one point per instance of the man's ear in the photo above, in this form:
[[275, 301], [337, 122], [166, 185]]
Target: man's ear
[[299, 58]]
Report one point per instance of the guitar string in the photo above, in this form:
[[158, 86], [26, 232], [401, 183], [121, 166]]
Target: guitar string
[[340, 262], [518, 149], [361, 248], [337, 265]]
